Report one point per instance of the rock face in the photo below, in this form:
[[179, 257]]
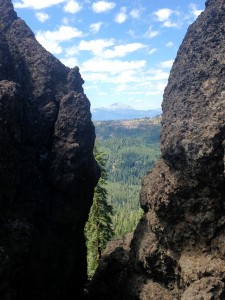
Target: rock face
[[47, 169], [178, 249]]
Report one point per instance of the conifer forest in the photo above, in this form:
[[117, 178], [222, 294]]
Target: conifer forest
[[131, 148]]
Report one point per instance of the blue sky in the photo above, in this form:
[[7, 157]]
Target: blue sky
[[124, 48]]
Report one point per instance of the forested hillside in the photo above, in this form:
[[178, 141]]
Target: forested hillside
[[131, 148]]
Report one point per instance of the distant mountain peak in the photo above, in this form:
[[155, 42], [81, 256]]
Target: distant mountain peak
[[118, 111]]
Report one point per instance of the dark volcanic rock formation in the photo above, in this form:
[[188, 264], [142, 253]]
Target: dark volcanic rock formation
[[47, 169], [178, 249]]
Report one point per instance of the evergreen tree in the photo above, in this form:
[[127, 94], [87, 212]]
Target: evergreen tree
[[98, 229]]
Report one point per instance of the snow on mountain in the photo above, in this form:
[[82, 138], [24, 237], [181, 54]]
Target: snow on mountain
[[118, 111]]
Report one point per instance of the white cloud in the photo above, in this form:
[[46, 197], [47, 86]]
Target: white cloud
[[51, 46], [69, 62], [64, 33], [51, 39], [95, 46], [102, 6], [72, 51], [72, 7], [153, 50], [164, 15], [42, 16], [151, 33], [135, 13], [121, 16], [98, 48], [38, 4], [166, 64], [125, 77], [154, 88], [95, 27], [169, 44], [149, 88], [195, 12], [112, 67], [157, 74], [95, 77], [170, 24], [123, 50]]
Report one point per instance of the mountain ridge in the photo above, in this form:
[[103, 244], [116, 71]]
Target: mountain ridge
[[119, 111]]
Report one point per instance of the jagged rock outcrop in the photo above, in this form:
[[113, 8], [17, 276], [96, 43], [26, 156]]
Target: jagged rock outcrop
[[178, 249], [47, 169]]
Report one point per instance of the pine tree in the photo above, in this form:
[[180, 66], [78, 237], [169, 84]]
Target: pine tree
[[98, 229]]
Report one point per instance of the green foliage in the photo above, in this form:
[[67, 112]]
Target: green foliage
[[98, 229], [132, 148]]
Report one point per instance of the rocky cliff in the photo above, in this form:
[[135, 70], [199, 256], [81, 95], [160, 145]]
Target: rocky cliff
[[47, 169], [178, 249]]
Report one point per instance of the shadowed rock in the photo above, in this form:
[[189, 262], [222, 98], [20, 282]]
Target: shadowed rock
[[47, 169], [178, 247]]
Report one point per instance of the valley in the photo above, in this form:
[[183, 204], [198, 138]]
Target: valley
[[131, 148]]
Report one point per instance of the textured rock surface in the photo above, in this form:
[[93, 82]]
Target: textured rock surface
[[178, 249], [47, 169], [108, 283]]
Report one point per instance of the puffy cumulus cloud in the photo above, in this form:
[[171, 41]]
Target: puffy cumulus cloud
[[95, 46], [141, 93], [120, 75], [166, 64], [51, 39], [169, 44], [95, 27], [72, 7], [123, 50], [170, 23], [164, 15], [112, 67], [126, 77], [69, 62], [42, 16], [96, 77], [157, 75], [51, 46], [39, 4], [71, 51], [102, 6], [149, 87], [150, 33], [98, 48], [64, 33], [194, 11], [121, 16]]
